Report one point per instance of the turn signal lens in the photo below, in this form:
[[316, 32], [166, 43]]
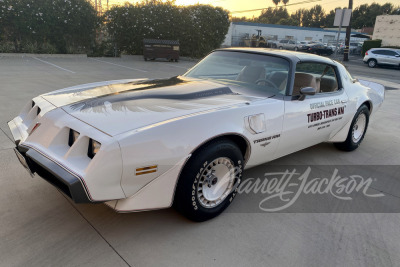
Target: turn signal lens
[[34, 128]]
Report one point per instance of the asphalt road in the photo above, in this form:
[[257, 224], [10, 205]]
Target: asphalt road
[[39, 226], [357, 68]]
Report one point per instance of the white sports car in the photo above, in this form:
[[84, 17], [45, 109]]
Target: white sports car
[[184, 141]]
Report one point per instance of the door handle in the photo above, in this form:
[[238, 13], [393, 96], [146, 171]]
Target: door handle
[[344, 101]]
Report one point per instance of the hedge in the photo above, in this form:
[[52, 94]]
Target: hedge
[[47, 26], [370, 44], [199, 28]]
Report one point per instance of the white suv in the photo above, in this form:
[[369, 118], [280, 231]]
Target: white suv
[[382, 56]]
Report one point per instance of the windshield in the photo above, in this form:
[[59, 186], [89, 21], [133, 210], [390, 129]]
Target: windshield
[[260, 74]]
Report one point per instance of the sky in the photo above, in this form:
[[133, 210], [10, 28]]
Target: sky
[[240, 5]]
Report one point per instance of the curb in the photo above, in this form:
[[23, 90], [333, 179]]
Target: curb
[[180, 58]]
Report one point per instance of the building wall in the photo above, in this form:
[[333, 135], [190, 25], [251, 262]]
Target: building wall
[[387, 28], [239, 30]]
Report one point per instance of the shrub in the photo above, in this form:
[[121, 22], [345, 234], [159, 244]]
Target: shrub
[[47, 48], [7, 47], [62, 24], [370, 44], [199, 28]]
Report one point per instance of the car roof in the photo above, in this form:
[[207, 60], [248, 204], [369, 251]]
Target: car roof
[[290, 55], [390, 49]]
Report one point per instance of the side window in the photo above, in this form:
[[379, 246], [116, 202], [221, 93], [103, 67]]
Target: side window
[[322, 77], [391, 53], [378, 52]]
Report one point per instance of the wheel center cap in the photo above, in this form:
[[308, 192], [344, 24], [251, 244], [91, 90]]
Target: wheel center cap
[[214, 181]]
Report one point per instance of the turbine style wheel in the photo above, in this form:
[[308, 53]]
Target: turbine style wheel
[[208, 182], [357, 130]]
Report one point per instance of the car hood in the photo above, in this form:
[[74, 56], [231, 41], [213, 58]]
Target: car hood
[[119, 106]]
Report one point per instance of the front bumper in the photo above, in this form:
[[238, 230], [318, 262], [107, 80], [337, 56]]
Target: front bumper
[[53, 173], [46, 168]]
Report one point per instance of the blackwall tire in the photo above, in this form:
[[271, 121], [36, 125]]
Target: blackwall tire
[[208, 182], [357, 130], [372, 63]]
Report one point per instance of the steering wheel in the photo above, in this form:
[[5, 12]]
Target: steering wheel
[[267, 81]]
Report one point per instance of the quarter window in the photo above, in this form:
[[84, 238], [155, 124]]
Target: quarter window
[[322, 77]]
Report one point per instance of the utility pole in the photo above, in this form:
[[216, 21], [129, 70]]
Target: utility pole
[[348, 31]]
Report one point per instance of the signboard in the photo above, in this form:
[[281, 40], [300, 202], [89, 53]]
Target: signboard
[[342, 15]]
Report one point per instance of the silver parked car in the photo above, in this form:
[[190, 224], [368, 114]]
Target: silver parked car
[[382, 56], [289, 44]]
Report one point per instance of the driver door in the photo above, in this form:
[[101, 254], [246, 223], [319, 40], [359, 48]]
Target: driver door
[[316, 118]]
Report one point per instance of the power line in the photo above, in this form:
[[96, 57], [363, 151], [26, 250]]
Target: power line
[[260, 9]]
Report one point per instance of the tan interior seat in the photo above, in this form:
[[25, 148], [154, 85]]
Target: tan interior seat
[[328, 85], [250, 74], [302, 80]]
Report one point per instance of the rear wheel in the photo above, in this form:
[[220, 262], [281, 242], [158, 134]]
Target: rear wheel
[[357, 130], [208, 182], [280, 47], [372, 63]]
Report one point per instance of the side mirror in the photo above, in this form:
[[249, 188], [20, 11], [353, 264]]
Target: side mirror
[[306, 91]]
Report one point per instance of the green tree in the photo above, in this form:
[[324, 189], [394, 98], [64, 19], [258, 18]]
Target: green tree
[[314, 17], [297, 16], [237, 19], [273, 15], [365, 15], [276, 2], [330, 18]]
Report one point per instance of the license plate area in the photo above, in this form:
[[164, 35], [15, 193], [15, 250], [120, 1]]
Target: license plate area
[[23, 162]]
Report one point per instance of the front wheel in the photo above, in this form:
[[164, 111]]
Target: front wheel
[[357, 130], [208, 182]]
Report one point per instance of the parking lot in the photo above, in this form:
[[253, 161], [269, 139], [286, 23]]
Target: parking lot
[[42, 227]]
